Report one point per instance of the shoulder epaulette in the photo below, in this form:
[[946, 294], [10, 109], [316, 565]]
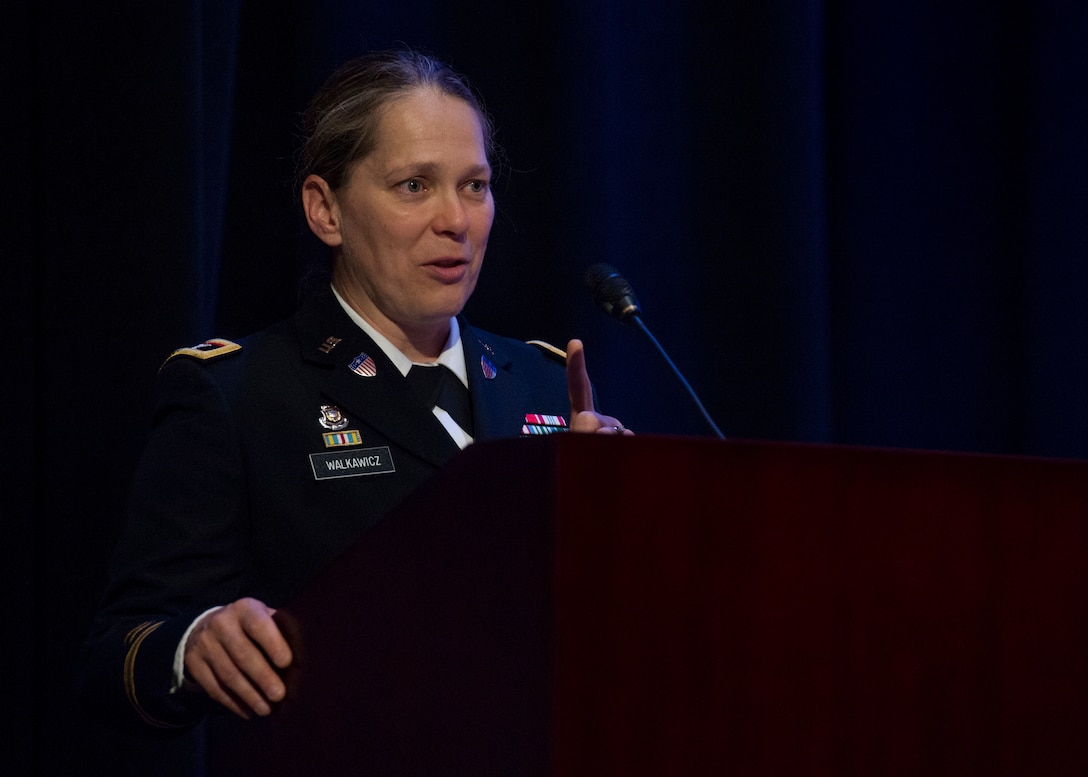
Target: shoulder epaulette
[[212, 349], [557, 354]]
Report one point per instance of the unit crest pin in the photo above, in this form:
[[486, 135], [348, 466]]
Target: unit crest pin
[[332, 419]]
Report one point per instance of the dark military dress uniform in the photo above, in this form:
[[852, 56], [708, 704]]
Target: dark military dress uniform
[[268, 458]]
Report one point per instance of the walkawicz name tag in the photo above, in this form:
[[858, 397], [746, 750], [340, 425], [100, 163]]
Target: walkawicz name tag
[[350, 464]]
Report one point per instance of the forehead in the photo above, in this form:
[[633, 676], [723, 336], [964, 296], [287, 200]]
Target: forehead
[[426, 121]]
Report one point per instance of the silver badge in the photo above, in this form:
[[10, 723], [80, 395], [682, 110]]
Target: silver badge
[[332, 419]]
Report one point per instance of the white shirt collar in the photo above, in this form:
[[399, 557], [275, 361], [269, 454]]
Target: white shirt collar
[[453, 355]]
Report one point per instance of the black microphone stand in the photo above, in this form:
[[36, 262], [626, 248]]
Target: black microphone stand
[[637, 320]]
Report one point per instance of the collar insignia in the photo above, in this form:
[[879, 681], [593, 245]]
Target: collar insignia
[[329, 344], [364, 365]]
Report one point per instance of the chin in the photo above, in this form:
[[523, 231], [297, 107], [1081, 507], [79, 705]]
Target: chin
[[438, 315], [450, 306]]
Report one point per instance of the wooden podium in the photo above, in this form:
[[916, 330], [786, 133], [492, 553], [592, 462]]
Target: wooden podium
[[589, 605]]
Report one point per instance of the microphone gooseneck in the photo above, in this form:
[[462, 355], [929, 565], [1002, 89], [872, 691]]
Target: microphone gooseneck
[[612, 293]]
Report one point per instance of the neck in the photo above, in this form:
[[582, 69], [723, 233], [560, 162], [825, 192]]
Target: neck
[[418, 342]]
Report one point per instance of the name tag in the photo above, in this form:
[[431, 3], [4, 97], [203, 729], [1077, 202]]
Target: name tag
[[353, 463]]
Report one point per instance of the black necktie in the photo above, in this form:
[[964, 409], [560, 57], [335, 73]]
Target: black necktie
[[438, 386]]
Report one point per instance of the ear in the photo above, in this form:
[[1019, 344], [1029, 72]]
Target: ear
[[322, 210]]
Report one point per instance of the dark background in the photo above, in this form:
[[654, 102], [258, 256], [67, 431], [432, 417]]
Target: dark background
[[850, 222]]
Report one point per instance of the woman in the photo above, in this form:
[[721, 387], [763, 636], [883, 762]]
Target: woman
[[270, 456]]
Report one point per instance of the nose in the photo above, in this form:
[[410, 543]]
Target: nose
[[451, 217]]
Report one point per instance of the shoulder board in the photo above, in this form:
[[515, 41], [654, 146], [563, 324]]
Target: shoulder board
[[212, 349], [550, 350]]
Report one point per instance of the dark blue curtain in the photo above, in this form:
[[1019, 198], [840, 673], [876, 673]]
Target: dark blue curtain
[[848, 222]]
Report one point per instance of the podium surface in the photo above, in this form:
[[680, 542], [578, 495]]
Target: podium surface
[[592, 605]]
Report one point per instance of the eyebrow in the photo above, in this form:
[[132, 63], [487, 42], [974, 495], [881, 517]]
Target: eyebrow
[[431, 169]]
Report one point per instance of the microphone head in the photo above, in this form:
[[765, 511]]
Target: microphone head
[[612, 292]]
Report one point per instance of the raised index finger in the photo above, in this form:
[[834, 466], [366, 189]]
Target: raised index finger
[[578, 386]]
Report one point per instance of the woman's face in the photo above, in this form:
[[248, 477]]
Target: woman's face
[[414, 216]]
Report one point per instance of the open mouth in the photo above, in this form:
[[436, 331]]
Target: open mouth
[[449, 269], [448, 263]]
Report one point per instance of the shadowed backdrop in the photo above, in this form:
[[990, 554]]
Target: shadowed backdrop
[[848, 222]]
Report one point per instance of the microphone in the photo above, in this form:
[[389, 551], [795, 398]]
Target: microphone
[[616, 297], [612, 292]]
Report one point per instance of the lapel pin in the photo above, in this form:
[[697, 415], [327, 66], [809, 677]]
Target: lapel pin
[[488, 368], [364, 365]]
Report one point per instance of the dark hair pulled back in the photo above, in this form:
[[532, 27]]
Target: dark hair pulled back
[[341, 123]]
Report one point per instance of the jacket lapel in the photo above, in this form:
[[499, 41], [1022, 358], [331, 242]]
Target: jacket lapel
[[329, 342], [499, 403]]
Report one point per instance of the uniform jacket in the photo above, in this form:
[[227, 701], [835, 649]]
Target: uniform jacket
[[243, 491]]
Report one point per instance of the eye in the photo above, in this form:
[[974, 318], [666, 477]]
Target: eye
[[477, 186], [413, 186]]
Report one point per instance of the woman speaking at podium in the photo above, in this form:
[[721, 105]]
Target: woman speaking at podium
[[271, 455]]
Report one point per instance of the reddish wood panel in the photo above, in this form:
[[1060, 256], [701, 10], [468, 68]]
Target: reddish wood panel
[[659, 606]]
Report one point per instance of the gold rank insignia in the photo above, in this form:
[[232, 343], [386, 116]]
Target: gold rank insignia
[[211, 349], [558, 354]]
